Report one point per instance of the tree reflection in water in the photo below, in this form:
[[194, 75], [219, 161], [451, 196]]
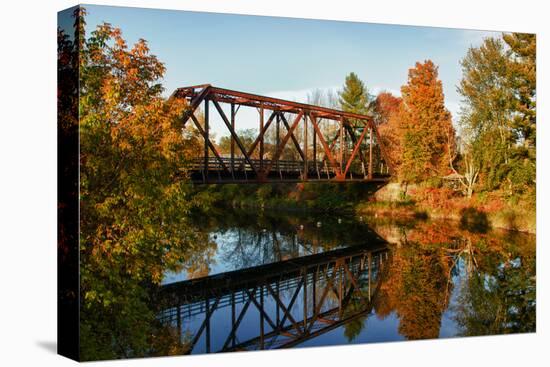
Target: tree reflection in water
[[493, 273]]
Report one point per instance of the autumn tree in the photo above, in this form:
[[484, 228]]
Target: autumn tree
[[426, 125], [386, 116], [385, 105], [134, 201]]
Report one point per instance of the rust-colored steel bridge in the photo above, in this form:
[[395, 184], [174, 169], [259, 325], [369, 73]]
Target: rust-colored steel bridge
[[342, 146], [276, 305]]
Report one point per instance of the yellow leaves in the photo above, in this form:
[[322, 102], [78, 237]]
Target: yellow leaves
[[90, 296], [140, 48]]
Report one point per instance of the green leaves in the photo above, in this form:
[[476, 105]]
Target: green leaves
[[354, 97], [499, 114]]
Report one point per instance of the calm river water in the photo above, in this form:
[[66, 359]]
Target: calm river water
[[270, 280]]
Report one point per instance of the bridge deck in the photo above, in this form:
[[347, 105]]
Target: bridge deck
[[240, 171]]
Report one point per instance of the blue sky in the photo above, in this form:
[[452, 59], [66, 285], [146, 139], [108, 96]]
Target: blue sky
[[288, 57]]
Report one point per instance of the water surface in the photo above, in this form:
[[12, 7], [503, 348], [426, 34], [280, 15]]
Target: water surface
[[276, 280]]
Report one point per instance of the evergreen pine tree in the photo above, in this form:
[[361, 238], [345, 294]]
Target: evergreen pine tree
[[354, 97]]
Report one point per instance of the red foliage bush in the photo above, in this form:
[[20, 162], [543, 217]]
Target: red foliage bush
[[493, 204], [436, 198]]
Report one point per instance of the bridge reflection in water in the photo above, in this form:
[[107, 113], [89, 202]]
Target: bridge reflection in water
[[275, 305]]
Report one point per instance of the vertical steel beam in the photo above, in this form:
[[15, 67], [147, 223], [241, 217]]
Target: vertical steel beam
[[371, 140], [207, 335], [206, 322], [289, 134], [370, 273], [239, 319], [328, 285], [305, 299], [212, 147], [234, 134], [305, 147], [278, 315], [257, 140], [287, 314], [233, 316], [314, 289], [314, 142], [294, 140], [261, 136], [331, 146], [262, 316], [340, 285], [361, 156], [206, 138], [232, 139], [341, 155], [178, 315], [278, 139]]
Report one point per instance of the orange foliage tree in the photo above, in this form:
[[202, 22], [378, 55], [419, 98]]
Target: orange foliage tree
[[386, 116], [425, 131]]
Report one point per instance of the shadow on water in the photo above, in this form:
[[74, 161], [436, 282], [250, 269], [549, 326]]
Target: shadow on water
[[474, 220]]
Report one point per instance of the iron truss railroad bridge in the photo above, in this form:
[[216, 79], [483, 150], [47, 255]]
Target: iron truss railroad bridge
[[342, 146]]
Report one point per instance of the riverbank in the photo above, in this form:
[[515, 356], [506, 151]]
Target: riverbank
[[318, 197], [479, 213]]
